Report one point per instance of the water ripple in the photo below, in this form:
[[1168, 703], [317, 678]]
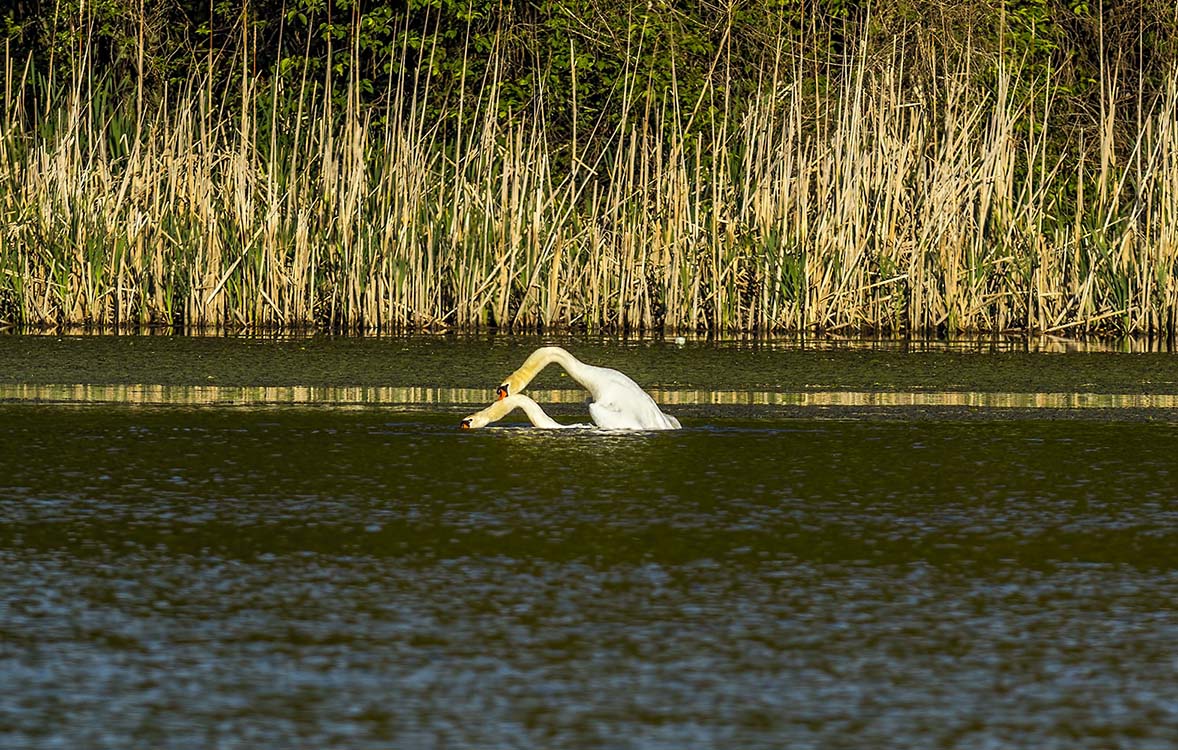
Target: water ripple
[[181, 578]]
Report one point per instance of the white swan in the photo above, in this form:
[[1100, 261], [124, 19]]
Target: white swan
[[618, 402], [505, 406]]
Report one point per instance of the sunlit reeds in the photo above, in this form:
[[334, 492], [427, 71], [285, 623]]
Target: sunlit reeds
[[865, 205]]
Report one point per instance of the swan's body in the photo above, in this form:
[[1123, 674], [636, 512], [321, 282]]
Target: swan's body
[[505, 406], [618, 403]]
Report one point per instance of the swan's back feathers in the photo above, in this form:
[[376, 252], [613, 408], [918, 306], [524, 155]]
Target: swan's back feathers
[[609, 417], [621, 404]]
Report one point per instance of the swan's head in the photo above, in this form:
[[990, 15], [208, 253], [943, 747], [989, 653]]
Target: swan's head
[[473, 422], [503, 391]]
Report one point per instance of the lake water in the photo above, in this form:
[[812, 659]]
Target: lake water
[[342, 567]]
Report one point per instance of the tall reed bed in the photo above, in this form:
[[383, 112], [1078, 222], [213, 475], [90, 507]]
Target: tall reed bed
[[863, 205]]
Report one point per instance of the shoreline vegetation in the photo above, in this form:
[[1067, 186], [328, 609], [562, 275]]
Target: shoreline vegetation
[[858, 171]]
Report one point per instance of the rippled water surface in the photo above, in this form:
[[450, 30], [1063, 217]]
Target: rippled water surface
[[179, 577]]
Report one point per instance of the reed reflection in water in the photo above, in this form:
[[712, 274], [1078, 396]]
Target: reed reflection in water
[[425, 397]]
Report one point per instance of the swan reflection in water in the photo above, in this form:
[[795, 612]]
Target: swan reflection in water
[[616, 401]]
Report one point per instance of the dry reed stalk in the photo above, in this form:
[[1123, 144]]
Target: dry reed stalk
[[870, 206]]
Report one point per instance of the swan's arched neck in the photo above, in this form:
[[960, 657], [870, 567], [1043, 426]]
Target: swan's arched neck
[[541, 358]]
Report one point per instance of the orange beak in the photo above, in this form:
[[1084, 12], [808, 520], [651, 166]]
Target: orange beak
[[465, 425], [501, 392]]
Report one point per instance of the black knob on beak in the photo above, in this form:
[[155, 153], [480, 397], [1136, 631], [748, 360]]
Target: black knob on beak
[[501, 392]]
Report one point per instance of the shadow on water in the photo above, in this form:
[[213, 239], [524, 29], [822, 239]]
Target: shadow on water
[[183, 577]]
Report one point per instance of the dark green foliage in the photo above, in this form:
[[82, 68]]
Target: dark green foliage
[[587, 65]]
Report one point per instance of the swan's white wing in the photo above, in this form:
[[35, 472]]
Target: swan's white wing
[[609, 417], [623, 405]]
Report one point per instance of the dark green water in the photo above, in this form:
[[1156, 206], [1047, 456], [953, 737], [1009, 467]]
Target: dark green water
[[819, 560], [314, 577], [660, 365]]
